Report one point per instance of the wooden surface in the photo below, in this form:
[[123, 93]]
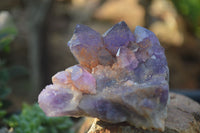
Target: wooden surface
[[183, 117]]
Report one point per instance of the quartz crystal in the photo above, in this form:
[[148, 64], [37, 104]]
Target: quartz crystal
[[121, 77]]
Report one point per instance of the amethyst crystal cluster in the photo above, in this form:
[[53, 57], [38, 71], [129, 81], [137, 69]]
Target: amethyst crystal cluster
[[121, 77]]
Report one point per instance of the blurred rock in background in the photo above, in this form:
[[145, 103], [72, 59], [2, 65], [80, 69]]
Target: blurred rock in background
[[168, 25], [129, 11]]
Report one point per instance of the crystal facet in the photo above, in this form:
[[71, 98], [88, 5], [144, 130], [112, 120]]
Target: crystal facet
[[122, 77], [84, 45], [56, 100], [82, 79], [126, 57], [117, 36]]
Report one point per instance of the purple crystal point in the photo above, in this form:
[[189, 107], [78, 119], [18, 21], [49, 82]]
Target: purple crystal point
[[142, 33], [121, 79], [84, 45], [119, 35], [126, 57], [56, 100], [148, 43], [77, 78], [82, 79], [62, 78]]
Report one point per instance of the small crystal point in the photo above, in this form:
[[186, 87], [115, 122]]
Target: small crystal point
[[83, 80], [62, 78], [76, 77], [148, 43], [117, 36], [142, 33], [126, 58]]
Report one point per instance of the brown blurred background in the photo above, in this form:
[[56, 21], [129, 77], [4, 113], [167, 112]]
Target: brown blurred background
[[45, 26]]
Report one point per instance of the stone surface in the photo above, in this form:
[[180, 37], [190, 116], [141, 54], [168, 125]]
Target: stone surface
[[122, 77], [183, 117]]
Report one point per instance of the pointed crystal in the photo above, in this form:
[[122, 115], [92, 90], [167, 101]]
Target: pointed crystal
[[117, 36], [82, 79], [126, 58], [148, 44], [84, 45]]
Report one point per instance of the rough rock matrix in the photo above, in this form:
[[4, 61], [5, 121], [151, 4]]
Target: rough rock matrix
[[121, 77]]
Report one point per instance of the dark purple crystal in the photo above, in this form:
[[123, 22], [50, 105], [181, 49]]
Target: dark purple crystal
[[117, 36]]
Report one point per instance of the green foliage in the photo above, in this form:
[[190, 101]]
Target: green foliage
[[8, 31], [190, 9], [7, 35], [33, 120], [4, 77], [2, 112]]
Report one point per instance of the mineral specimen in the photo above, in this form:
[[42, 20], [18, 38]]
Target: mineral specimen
[[122, 77]]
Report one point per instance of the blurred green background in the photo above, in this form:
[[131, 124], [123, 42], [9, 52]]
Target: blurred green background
[[33, 47]]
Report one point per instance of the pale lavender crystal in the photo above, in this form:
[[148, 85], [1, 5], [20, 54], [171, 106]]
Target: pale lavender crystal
[[76, 77], [82, 79], [121, 78], [62, 78], [56, 100]]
